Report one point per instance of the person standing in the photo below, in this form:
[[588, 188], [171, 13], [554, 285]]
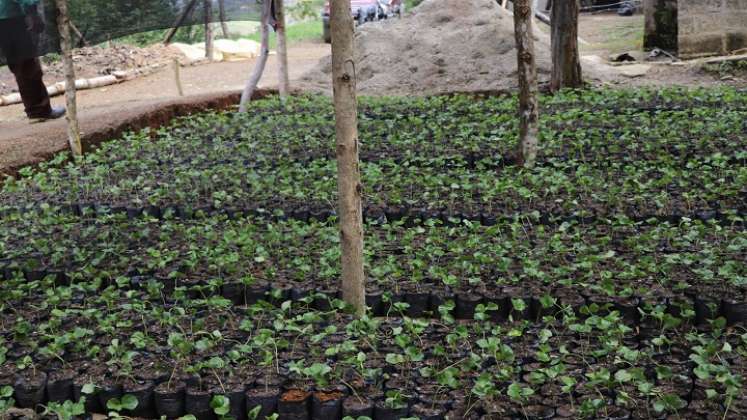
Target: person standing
[[20, 26]]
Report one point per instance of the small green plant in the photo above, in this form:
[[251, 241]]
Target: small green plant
[[117, 405], [221, 406], [6, 399], [67, 410]]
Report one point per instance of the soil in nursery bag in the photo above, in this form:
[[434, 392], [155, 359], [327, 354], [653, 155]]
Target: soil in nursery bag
[[197, 403], [60, 385], [30, 389], [294, 405], [264, 397], [357, 406], [326, 405], [169, 399]]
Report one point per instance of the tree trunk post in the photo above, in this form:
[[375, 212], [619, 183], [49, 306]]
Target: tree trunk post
[[73, 128], [348, 171], [566, 64], [222, 16], [208, 29], [282, 50], [527, 69], [259, 65]]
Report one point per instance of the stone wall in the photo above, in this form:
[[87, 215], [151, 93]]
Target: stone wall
[[709, 27]]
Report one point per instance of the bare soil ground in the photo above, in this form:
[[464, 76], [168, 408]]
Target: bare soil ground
[[105, 111], [97, 61], [438, 47], [444, 46], [603, 34], [607, 33]]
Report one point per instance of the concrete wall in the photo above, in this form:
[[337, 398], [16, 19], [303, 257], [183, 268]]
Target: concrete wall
[[696, 28], [708, 27], [661, 24]]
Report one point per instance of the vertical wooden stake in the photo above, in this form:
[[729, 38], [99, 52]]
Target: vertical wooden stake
[[282, 50], [208, 29], [566, 63], [527, 66], [348, 171], [177, 77], [222, 16], [73, 128], [259, 65]]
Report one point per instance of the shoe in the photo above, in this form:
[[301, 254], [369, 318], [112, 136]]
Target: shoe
[[55, 113]]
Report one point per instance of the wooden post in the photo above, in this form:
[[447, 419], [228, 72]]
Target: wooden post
[[282, 50], [259, 66], [222, 16], [527, 69], [73, 129], [566, 63], [179, 21], [208, 4], [348, 171], [178, 77]]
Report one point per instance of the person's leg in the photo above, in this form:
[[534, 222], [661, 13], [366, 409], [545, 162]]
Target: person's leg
[[33, 92], [19, 48]]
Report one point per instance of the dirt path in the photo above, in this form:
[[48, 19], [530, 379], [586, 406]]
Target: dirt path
[[104, 110]]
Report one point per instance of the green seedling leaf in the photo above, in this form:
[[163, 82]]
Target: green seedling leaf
[[129, 402], [221, 405], [623, 376], [518, 304], [253, 414]]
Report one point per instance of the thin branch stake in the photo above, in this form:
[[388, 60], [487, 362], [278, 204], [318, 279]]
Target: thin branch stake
[[178, 77], [259, 65], [208, 4], [73, 128]]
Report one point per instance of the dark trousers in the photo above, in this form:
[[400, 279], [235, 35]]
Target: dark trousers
[[18, 46]]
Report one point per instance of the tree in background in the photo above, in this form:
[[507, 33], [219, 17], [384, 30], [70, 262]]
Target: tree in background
[[566, 64]]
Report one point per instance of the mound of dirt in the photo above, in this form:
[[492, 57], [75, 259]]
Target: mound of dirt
[[441, 46]]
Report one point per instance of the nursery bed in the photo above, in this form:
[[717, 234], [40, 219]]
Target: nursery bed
[[194, 269]]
